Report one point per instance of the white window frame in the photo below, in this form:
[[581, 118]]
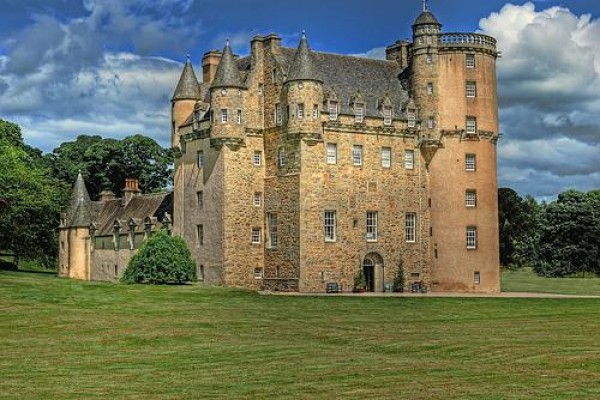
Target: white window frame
[[333, 110], [430, 88], [281, 161], [257, 199], [386, 157], [411, 116], [371, 226], [471, 89], [256, 235], [200, 158], [272, 226], [224, 115], [471, 237], [387, 115], [470, 162], [430, 122], [257, 158], [470, 61], [315, 111], [409, 159], [357, 155], [410, 227], [239, 117], [471, 125], [331, 153], [477, 278], [471, 198], [300, 110], [330, 225], [258, 273], [278, 115], [359, 113]]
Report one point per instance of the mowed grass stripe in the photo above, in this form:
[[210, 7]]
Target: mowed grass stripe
[[66, 339]]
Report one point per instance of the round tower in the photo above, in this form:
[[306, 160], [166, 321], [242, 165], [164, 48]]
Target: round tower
[[303, 92], [227, 93], [185, 97], [454, 84]]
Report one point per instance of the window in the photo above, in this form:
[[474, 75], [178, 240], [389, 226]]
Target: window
[[470, 162], [333, 110], [357, 155], [359, 113], [471, 125], [300, 110], [239, 117], [371, 226], [387, 115], [201, 273], [471, 89], [257, 199], [200, 234], [470, 61], [471, 198], [274, 75], [429, 88], [200, 198], [471, 237], [281, 157], [258, 273], [224, 115], [410, 224], [278, 114], [200, 159], [257, 158], [330, 226], [430, 123], [409, 159], [429, 58], [315, 111], [272, 226], [255, 235], [331, 153], [476, 277], [386, 157], [412, 119]]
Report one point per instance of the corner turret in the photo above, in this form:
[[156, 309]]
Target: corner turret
[[78, 213], [184, 98]]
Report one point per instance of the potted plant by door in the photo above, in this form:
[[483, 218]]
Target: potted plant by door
[[360, 283], [399, 278]]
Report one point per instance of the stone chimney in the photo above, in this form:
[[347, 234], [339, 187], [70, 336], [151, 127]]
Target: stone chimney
[[131, 189], [210, 62], [399, 52], [273, 43], [106, 195]]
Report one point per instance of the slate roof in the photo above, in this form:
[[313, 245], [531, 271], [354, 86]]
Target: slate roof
[[228, 73], [187, 88], [302, 66], [426, 18], [79, 205]]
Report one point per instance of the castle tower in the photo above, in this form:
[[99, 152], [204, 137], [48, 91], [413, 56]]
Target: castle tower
[[74, 234], [227, 93], [454, 84], [185, 97], [303, 92]]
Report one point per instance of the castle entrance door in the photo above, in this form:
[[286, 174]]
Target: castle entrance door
[[373, 269]]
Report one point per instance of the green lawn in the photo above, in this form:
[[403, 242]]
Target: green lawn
[[525, 280], [63, 339]]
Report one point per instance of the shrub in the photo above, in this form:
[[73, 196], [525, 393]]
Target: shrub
[[399, 277], [162, 259]]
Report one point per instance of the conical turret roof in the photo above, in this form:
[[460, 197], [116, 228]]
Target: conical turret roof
[[79, 208], [80, 193], [227, 74], [188, 87], [303, 66], [426, 18]]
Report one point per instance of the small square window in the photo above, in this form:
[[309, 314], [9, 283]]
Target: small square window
[[331, 153], [470, 162], [224, 116], [471, 89], [257, 199], [200, 159], [409, 159], [357, 152], [471, 237], [386, 157], [258, 273], [470, 61], [476, 278], [471, 125], [257, 158], [256, 235], [471, 198]]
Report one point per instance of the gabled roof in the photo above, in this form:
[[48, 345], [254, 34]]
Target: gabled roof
[[228, 74], [187, 88], [302, 66], [138, 208]]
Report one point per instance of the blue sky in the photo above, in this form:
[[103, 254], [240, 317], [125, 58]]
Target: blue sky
[[108, 67]]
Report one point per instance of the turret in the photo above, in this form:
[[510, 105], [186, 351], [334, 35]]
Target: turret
[[227, 93], [78, 214], [303, 92], [185, 97]]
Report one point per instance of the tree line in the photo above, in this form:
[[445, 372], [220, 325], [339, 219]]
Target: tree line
[[556, 239], [35, 187]]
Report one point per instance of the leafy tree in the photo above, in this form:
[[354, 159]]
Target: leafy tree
[[105, 163], [31, 204], [515, 222], [161, 259]]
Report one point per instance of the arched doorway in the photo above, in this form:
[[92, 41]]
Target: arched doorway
[[372, 266]]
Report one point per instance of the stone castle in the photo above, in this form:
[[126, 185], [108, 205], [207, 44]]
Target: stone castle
[[296, 169]]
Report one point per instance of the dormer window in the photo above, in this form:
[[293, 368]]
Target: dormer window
[[387, 115], [412, 118], [333, 110], [359, 112]]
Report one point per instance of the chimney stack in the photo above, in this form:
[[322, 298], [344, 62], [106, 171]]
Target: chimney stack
[[131, 189], [210, 62]]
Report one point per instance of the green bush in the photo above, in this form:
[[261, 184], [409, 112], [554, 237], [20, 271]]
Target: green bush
[[399, 277], [162, 259]]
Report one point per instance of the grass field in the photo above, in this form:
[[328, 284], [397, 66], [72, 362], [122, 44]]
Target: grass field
[[525, 280], [63, 339]]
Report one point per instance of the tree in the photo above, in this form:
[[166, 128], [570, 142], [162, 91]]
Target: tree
[[514, 221], [105, 163], [32, 201], [162, 259]]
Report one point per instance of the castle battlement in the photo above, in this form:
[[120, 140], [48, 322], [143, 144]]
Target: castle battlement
[[467, 41]]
